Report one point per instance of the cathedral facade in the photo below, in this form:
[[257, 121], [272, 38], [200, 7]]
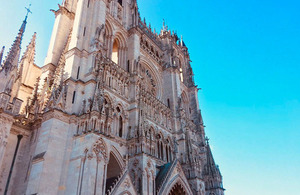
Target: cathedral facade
[[113, 110]]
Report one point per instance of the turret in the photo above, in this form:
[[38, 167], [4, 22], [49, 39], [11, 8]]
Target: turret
[[212, 174]]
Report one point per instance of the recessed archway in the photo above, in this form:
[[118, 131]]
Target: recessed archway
[[113, 172], [177, 190]]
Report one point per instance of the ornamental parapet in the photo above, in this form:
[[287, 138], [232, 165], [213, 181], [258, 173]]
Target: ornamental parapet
[[148, 31], [10, 107]]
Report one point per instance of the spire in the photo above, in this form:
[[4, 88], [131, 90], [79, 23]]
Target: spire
[[13, 55], [212, 169], [30, 50], [212, 172], [210, 166], [27, 59], [1, 54]]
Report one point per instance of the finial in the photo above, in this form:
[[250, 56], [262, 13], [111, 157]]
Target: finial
[[207, 140], [28, 10]]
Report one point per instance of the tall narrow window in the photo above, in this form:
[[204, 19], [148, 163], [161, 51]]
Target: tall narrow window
[[128, 66], [115, 52], [167, 153], [158, 149], [120, 127], [73, 99], [168, 101], [78, 71], [162, 150], [84, 29], [181, 75], [88, 4], [181, 72]]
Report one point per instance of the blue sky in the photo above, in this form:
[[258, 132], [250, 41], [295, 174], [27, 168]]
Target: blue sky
[[246, 60]]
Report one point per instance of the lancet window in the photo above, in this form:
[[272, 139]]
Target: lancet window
[[115, 52]]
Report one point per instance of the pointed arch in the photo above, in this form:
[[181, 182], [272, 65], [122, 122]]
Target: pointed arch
[[121, 38], [154, 75], [108, 33], [118, 156], [100, 148], [178, 181], [113, 172], [115, 57]]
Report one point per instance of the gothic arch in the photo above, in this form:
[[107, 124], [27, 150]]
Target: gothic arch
[[119, 119], [121, 39], [108, 28], [160, 146], [118, 157], [177, 180], [108, 98], [177, 190], [155, 74], [121, 106], [100, 148], [108, 33], [113, 171]]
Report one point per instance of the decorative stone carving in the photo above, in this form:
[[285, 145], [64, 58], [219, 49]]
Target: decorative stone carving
[[100, 149]]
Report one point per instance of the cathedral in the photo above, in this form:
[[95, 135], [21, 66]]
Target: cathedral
[[112, 111]]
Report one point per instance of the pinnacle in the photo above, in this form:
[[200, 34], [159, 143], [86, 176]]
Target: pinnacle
[[30, 50], [13, 55]]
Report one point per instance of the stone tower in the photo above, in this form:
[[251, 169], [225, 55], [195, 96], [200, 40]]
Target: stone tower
[[114, 109]]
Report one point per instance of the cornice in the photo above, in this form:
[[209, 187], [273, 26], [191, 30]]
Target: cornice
[[6, 117], [56, 114]]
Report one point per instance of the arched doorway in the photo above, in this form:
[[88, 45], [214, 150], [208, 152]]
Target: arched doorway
[[177, 190], [113, 172]]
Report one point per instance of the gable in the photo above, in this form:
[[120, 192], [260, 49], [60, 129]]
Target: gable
[[174, 176], [125, 186]]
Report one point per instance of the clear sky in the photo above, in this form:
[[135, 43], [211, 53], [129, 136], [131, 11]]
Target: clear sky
[[246, 60]]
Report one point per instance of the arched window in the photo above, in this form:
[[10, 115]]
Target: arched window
[[170, 153], [162, 150], [181, 71], [120, 127], [167, 153], [128, 66], [115, 52], [158, 149]]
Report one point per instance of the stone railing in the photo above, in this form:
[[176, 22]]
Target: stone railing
[[148, 31], [10, 107], [116, 183]]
